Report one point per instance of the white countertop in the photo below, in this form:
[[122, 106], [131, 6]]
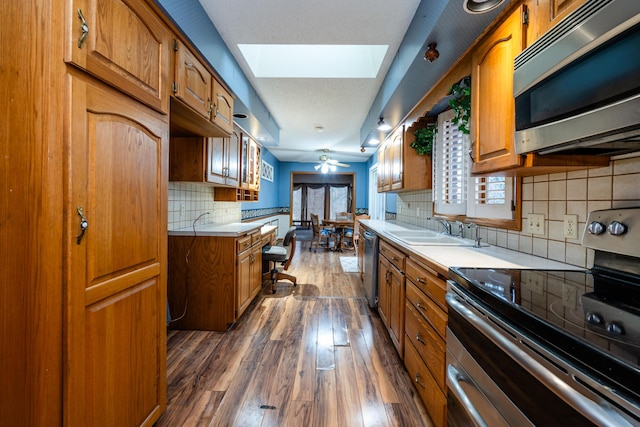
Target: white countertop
[[463, 256], [233, 229]]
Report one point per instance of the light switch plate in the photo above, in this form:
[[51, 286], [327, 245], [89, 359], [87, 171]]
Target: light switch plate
[[535, 222]]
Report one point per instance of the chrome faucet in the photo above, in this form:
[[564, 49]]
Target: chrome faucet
[[460, 226], [445, 224], [477, 237]]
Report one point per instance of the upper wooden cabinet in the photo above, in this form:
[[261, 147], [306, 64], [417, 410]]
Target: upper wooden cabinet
[[122, 43], [200, 92], [192, 82], [206, 160], [222, 113], [250, 162], [492, 103], [395, 157]]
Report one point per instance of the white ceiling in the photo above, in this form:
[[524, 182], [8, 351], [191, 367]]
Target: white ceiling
[[301, 105]]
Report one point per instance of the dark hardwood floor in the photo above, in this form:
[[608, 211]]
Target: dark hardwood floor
[[314, 355]]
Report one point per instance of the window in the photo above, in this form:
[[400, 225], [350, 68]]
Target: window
[[455, 191]]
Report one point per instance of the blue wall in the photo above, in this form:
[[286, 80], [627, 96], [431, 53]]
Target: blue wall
[[276, 194]]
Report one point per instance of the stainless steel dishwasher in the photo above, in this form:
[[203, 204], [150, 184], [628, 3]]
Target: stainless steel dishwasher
[[370, 267]]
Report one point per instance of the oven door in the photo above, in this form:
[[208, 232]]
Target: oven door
[[526, 384], [473, 399]]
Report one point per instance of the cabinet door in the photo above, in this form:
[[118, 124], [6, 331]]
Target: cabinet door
[[243, 285], [216, 161], [396, 159], [233, 160], [192, 81], [384, 292], [492, 104], [256, 270], [384, 167], [222, 114], [396, 309], [123, 43], [115, 323]]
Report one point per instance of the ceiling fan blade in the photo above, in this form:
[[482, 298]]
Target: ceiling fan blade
[[344, 165], [318, 166]]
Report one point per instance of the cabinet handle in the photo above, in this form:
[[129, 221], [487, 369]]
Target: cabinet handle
[[420, 280], [420, 305], [419, 338], [84, 224], [471, 151], [84, 27], [215, 110], [417, 380], [210, 107]]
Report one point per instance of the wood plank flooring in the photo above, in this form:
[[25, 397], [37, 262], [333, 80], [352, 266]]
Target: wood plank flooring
[[314, 355]]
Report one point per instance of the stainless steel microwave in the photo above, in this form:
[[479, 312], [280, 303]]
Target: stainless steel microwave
[[577, 88]]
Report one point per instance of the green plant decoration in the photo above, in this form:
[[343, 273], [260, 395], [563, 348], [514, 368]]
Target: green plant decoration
[[424, 139], [461, 104]]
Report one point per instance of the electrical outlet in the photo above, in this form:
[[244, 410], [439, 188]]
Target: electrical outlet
[[417, 212], [571, 226], [536, 224], [183, 209]]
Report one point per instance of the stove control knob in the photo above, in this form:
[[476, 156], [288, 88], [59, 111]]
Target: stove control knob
[[593, 318], [617, 228], [596, 228], [615, 328]]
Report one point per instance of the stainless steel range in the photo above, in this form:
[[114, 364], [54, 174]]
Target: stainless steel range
[[544, 347]]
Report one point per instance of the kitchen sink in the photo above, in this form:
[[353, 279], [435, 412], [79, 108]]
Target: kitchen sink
[[429, 237]]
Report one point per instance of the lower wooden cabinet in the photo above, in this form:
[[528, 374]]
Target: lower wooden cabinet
[[213, 286], [425, 329], [391, 293]]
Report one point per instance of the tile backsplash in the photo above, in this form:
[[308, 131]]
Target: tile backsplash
[[552, 195], [187, 201]]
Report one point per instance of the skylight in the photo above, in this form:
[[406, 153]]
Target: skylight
[[314, 61]]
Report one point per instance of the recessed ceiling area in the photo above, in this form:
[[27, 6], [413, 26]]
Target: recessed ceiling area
[[313, 61], [288, 104]]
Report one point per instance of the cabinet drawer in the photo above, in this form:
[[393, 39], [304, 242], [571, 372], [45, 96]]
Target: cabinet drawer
[[427, 308], [244, 243], [428, 281], [426, 341], [433, 398], [393, 255], [256, 238]]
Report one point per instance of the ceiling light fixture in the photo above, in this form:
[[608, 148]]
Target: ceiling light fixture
[[324, 168], [480, 6], [382, 126], [432, 53]]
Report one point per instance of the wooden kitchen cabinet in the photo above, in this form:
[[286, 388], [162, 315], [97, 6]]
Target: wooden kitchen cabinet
[[123, 43], [492, 104], [425, 328], [192, 81], [248, 187], [222, 113], [206, 160], [217, 283], [391, 292], [199, 92], [395, 157], [114, 323]]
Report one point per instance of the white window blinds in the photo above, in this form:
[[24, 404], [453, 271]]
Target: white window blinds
[[451, 168]]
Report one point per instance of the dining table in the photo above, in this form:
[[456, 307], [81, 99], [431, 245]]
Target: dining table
[[339, 224]]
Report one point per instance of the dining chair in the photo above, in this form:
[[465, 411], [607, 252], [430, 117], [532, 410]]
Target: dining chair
[[356, 233], [321, 232], [281, 253], [346, 234]]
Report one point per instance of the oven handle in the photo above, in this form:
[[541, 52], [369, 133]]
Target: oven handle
[[455, 377], [587, 407]]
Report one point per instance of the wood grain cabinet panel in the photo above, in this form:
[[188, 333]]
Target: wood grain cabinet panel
[[400, 168], [492, 104], [206, 160], [222, 113], [115, 325], [391, 292], [193, 82], [123, 43]]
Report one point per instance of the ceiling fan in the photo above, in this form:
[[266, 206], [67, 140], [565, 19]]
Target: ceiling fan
[[326, 164]]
